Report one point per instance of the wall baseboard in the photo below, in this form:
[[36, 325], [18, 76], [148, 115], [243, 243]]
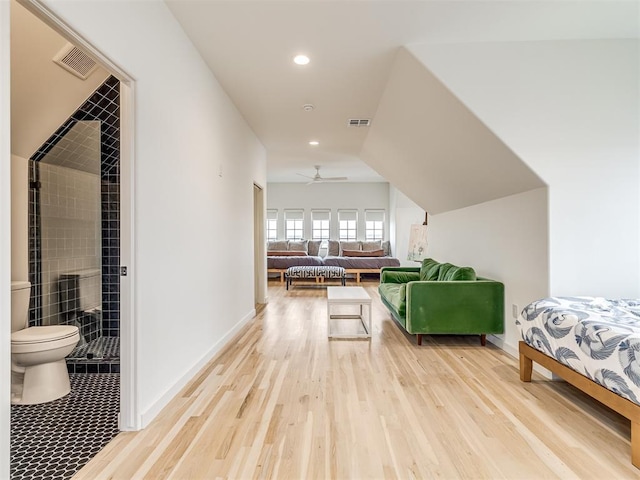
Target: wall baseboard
[[162, 402], [513, 351]]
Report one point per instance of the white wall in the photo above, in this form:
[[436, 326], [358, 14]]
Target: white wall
[[570, 110], [190, 293], [504, 239], [19, 218], [404, 213], [5, 241], [331, 196]]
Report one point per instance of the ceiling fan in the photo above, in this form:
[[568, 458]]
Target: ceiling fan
[[317, 178]]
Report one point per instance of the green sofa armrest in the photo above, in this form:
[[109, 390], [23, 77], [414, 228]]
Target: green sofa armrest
[[458, 307], [398, 276]]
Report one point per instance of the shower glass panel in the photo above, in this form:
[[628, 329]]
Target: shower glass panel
[[70, 233]]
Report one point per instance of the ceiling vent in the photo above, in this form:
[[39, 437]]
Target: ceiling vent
[[75, 61], [359, 122]]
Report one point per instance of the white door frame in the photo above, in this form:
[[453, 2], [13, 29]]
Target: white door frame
[[130, 418], [5, 240]]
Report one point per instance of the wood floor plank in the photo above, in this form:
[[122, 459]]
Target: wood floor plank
[[283, 401]]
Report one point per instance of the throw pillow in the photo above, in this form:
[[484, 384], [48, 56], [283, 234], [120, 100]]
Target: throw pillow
[[444, 270], [361, 253], [334, 248], [314, 247], [461, 274], [429, 269], [278, 245], [372, 245], [386, 246], [349, 246], [299, 245], [285, 253]]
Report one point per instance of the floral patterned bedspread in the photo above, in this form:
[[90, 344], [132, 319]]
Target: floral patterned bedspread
[[597, 337]]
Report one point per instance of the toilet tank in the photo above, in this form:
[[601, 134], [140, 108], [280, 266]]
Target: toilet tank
[[20, 294], [81, 290]]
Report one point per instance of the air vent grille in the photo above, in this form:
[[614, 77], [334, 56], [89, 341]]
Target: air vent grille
[[359, 122], [75, 61]]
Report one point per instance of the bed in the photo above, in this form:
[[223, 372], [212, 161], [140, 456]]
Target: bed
[[592, 343]]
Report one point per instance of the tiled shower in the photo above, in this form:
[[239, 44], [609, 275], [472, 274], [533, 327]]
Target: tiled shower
[[74, 230]]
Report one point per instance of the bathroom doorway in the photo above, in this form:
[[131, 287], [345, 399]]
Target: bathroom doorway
[[116, 178], [78, 276], [259, 248]]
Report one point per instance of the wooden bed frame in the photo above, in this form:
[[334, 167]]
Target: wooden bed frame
[[624, 407], [352, 271]]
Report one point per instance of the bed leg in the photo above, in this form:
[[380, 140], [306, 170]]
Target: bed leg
[[483, 339], [281, 277], [635, 444], [419, 338], [526, 368]]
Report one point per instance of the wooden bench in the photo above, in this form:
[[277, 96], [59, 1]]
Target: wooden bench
[[358, 271]]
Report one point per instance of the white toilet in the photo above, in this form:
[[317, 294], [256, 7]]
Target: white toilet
[[38, 369]]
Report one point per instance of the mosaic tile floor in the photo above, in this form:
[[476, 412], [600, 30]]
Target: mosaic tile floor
[[54, 440]]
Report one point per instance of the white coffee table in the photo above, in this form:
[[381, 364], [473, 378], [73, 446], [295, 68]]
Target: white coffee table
[[349, 296]]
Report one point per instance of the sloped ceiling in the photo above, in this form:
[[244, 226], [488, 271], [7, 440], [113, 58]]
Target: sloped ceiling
[[43, 95], [249, 46], [426, 142]]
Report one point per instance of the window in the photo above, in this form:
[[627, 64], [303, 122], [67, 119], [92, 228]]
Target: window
[[293, 224], [272, 225], [348, 224], [374, 224], [320, 220]]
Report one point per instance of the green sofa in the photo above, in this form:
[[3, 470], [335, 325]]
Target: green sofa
[[442, 298]]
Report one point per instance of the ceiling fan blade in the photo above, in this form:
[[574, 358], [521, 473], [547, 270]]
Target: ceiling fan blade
[[334, 179], [305, 176]]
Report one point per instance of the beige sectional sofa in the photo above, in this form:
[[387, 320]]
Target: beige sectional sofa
[[356, 257]]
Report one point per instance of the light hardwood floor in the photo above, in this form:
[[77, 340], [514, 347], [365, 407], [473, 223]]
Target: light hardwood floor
[[281, 401]]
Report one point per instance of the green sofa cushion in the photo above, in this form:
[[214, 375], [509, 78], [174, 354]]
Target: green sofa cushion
[[399, 277], [395, 294], [429, 269]]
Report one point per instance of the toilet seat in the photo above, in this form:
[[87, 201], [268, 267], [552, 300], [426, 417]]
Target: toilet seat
[[43, 338], [43, 334]]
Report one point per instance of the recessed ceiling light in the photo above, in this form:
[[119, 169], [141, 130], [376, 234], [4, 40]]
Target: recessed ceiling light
[[314, 142], [307, 107], [301, 59]]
